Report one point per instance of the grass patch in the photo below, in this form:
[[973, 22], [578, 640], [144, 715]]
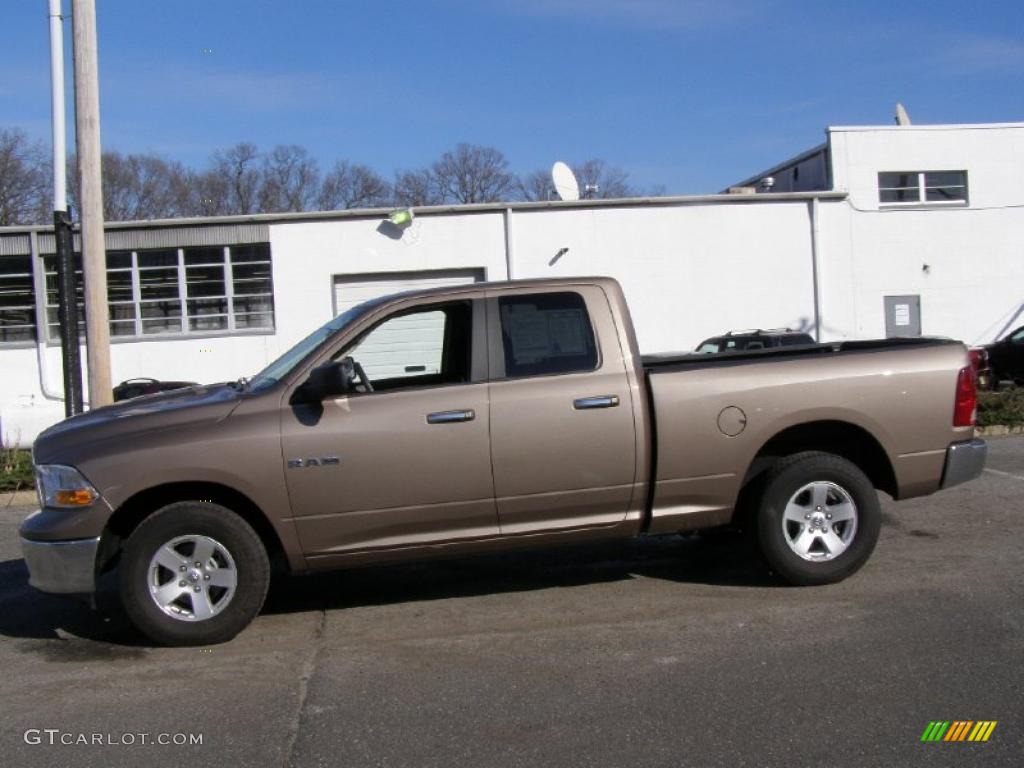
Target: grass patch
[[1005, 407], [16, 470]]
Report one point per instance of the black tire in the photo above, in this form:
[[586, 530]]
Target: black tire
[[241, 553], [837, 476]]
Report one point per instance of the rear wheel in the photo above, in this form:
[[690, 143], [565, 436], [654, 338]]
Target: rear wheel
[[818, 519], [193, 573]]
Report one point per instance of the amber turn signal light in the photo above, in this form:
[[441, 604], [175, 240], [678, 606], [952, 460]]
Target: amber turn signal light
[[77, 497]]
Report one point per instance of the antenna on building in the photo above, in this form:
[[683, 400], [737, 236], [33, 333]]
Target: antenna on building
[[565, 181], [902, 118]]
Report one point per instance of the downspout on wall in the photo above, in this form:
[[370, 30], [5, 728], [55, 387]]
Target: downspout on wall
[[508, 243], [39, 283], [815, 246]]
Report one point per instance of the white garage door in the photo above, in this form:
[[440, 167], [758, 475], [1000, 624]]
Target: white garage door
[[405, 346]]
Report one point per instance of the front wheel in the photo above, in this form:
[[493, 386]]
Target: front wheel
[[193, 573], [818, 520]]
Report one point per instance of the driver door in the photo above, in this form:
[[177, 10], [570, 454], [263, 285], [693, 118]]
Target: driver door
[[409, 462]]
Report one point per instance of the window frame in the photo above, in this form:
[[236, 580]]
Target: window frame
[[496, 346], [443, 308], [182, 331], [922, 188], [477, 342]]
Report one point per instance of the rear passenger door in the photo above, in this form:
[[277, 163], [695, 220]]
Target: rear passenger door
[[562, 434]]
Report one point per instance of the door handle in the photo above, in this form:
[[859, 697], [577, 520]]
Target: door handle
[[600, 401], [450, 417]]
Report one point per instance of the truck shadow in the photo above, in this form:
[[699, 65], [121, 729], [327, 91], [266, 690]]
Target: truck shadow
[[717, 559], [34, 616]]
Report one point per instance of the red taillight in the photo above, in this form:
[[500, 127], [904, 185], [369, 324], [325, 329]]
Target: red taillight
[[966, 398], [979, 358]]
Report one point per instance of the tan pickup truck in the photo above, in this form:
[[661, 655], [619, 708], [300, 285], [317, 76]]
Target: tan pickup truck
[[484, 417]]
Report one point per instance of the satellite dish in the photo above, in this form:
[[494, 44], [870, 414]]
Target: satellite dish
[[902, 118], [565, 181]]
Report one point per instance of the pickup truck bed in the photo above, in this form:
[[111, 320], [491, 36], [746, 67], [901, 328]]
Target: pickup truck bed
[[669, 360], [755, 407]]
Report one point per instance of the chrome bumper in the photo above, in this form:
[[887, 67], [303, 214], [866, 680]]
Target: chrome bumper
[[61, 567], [964, 461]]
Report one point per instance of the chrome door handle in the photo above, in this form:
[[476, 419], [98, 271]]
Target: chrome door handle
[[450, 417], [601, 401]]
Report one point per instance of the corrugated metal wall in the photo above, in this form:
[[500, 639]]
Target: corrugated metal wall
[[16, 245], [138, 239]]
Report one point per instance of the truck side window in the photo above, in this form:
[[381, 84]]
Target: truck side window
[[428, 346], [546, 333]]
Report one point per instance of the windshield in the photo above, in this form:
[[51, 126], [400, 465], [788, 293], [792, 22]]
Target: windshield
[[287, 362]]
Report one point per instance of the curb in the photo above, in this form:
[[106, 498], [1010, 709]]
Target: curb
[[998, 430], [17, 498]]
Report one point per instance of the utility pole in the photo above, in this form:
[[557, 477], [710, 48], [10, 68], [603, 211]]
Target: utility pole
[[94, 259], [67, 312]]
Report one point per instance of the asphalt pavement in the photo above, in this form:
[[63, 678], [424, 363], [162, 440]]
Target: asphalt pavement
[[665, 652]]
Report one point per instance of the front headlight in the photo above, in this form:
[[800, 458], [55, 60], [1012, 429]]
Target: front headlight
[[63, 487]]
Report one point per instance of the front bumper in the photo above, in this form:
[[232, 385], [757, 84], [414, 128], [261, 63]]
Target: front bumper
[[61, 567], [964, 461]]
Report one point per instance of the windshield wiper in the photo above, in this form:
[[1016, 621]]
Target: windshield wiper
[[241, 384]]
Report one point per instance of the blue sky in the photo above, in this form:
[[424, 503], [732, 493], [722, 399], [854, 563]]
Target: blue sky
[[690, 95]]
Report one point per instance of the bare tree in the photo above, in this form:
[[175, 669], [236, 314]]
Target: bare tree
[[232, 182], [599, 180], [24, 180], [210, 194], [242, 180], [195, 193], [596, 179], [537, 186], [349, 185], [416, 188], [141, 186], [290, 180], [473, 174], [118, 184]]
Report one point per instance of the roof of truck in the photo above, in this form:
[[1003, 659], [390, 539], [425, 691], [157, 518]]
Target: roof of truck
[[539, 282]]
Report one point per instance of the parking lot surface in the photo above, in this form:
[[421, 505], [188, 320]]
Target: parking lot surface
[[665, 652]]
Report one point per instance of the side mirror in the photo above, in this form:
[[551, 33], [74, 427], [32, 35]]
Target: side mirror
[[333, 378]]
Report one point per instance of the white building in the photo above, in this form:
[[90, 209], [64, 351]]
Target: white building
[[898, 229]]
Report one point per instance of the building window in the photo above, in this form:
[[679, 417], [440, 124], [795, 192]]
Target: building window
[[195, 291], [252, 288], [922, 187], [17, 302], [206, 289]]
